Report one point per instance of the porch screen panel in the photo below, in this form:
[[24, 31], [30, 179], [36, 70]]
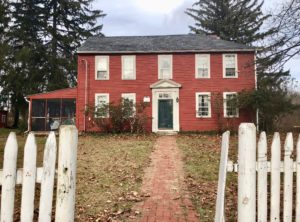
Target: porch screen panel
[[38, 120], [68, 112]]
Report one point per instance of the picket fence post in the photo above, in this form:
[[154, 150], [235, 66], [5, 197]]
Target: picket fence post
[[66, 181], [275, 178], [47, 182], [219, 216], [247, 173], [262, 168], [9, 178]]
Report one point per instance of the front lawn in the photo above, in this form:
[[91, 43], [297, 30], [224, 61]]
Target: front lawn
[[201, 155], [109, 173]]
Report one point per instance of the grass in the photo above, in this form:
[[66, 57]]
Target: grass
[[201, 155], [109, 173]]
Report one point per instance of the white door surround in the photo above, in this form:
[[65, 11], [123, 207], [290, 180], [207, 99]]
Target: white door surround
[[165, 89]]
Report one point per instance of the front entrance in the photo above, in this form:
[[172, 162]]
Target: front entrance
[[165, 114], [165, 106]]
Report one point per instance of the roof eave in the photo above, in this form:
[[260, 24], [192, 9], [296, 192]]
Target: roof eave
[[167, 51]]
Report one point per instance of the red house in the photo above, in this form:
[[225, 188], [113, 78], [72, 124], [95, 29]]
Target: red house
[[186, 79]]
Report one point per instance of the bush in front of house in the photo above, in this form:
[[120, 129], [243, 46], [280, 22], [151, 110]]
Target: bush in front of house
[[121, 117]]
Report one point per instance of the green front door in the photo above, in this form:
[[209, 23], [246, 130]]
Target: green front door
[[165, 114]]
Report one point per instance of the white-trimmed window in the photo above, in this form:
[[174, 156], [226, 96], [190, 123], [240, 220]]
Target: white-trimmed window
[[128, 67], [102, 67], [165, 70], [230, 104], [202, 66], [230, 66], [101, 99], [131, 97], [203, 105]]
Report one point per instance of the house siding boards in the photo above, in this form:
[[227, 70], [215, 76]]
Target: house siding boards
[[183, 73]]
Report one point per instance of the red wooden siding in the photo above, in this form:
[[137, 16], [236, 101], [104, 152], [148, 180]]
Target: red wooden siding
[[183, 73]]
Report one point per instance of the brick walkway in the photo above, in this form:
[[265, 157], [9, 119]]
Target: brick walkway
[[168, 201]]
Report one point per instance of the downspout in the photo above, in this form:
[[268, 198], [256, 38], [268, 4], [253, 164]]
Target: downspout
[[29, 114], [85, 93], [257, 110]]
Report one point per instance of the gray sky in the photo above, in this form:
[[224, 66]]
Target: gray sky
[[158, 17]]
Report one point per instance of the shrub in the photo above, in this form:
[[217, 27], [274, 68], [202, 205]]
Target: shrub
[[124, 116]]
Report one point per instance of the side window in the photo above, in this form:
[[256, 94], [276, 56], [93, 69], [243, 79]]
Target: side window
[[101, 102], [202, 66], [128, 67], [230, 66], [203, 105], [102, 67], [165, 67], [230, 105]]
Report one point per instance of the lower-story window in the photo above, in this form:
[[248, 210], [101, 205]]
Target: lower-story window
[[230, 104], [130, 100], [203, 105], [101, 105]]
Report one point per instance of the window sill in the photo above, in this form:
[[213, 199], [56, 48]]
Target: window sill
[[203, 117]]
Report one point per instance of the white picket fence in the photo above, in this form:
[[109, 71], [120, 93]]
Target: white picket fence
[[10, 176], [253, 168]]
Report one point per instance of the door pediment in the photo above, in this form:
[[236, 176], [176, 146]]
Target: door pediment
[[165, 84]]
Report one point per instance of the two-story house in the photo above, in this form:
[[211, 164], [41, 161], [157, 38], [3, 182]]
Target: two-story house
[[186, 80]]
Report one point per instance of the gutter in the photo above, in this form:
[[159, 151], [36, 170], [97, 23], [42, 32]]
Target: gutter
[[29, 114], [257, 110], [85, 93]]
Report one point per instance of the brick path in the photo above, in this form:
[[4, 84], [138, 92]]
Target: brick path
[[168, 201]]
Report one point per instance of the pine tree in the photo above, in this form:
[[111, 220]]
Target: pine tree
[[242, 21], [232, 20], [68, 24], [23, 74]]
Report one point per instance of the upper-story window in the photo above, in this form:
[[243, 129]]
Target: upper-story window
[[165, 67], [102, 67], [230, 66], [202, 66], [128, 67]]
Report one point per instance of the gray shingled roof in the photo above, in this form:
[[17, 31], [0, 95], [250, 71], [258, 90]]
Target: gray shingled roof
[[164, 43]]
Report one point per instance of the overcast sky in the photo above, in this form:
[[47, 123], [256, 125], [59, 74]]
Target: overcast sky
[[158, 17]]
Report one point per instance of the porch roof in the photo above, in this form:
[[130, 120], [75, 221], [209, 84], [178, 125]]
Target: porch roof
[[68, 93]]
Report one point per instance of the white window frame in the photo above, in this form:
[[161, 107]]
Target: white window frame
[[96, 104], [197, 104], [134, 100], [134, 67], [197, 66], [236, 66], [170, 57], [96, 65], [225, 105]]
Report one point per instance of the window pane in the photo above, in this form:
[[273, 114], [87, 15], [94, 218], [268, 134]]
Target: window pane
[[204, 105], [102, 75], [231, 105], [38, 107], [102, 64], [165, 67], [202, 72], [230, 65]]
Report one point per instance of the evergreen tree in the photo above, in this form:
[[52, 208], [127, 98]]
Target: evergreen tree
[[242, 21], [68, 24], [23, 74], [4, 19], [232, 20], [42, 38]]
